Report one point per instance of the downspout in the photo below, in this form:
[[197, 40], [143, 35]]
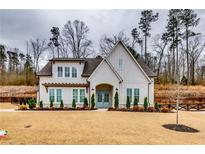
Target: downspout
[[148, 93]]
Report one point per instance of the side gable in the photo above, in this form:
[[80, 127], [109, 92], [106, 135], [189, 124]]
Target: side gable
[[46, 70]]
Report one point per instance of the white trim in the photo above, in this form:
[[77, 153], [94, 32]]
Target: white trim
[[111, 67], [131, 56]]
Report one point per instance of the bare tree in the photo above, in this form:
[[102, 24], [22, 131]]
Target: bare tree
[[107, 43], [159, 46], [76, 38], [37, 47], [196, 46]]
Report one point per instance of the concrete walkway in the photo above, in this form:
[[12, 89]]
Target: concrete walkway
[[7, 110]]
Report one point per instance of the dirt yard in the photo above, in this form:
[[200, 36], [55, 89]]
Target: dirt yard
[[8, 106], [99, 127]]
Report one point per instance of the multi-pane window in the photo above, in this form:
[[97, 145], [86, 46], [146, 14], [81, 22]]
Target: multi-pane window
[[120, 64], [106, 97], [60, 71], [74, 72], [129, 94], [82, 95], [137, 93], [51, 95], [67, 71], [75, 95], [58, 95]]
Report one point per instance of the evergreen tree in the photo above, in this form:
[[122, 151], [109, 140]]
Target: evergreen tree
[[173, 35], [128, 102], [74, 104], [92, 101], [85, 102], [116, 100], [189, 20], [145, 103], [147, 17], [54, 40], [136, 101]]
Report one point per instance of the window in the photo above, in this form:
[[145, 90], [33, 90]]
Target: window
[[67, 71], [129, 94], [137, 93], [120, 63], [51, 95], [106, 97], [82, 95], [74, 72], [99, 98], [58, 95], [60, 71], [75, 95]]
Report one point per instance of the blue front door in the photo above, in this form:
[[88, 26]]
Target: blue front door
[[103, 99]]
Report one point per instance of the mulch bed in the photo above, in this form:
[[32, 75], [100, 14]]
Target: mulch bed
[[180, 128]]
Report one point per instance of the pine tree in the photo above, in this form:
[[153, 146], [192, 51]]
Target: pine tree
[[189, 20], [147, 17], [173, 35]]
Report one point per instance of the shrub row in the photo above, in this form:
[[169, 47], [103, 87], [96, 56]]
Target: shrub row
[[25, 107], [139, 109]]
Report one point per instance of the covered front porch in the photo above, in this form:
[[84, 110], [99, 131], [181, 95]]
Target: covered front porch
[[104, 95]]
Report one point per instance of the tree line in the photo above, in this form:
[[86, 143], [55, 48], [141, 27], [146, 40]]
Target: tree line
[[176, 52]]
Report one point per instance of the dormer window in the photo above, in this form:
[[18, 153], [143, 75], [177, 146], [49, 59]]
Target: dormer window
[[74, 72], [60, 71]]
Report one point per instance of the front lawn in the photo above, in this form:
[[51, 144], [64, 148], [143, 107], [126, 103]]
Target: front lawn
[[99, 127]]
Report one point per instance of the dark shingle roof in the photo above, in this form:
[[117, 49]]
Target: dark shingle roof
[[146, 69], [90, 65], [46, 70]]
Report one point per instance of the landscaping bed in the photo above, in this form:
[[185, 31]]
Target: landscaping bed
[[180, 128], [141, 109]]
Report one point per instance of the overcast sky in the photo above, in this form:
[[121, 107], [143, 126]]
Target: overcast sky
[[18, 26]]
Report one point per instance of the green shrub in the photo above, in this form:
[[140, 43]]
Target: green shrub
[[61, 104], [73, 104], [31, 103], [41, 104], [51, 103], [92, 101], [156, 106], [128, 102], [116, 100], [85, 102], [145, 103], [136, 101]]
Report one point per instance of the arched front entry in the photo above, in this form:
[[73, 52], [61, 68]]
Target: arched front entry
[[104, 93]]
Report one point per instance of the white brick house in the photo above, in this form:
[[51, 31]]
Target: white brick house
[[69, 78]]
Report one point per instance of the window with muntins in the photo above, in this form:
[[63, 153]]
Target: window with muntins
[[129, 94], [67, 71], [82, 95], [58, 95], [74, 72], [51, 95], [60, 71], [75, 95], [137, 93]]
